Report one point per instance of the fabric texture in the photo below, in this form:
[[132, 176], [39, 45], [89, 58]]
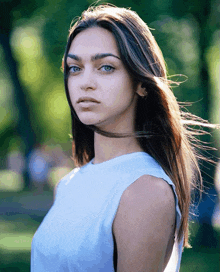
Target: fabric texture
[[76, 234]]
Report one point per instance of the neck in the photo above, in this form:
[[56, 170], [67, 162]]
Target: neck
[[107, 148]]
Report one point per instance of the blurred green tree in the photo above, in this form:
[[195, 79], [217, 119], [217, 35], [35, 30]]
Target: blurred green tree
[[10, 12]]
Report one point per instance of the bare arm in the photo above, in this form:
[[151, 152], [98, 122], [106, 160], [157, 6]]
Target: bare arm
[[144, 224]]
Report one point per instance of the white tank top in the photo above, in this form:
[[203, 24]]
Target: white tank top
[[76, 234]]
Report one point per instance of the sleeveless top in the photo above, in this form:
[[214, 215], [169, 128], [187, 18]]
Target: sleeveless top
[[76, 234]]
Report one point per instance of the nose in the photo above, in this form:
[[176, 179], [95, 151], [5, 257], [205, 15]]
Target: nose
[[88, 80]]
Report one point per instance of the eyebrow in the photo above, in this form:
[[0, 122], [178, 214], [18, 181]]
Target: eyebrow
[[93, 58]]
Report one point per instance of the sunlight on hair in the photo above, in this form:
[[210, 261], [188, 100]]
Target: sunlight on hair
[[159, 82]]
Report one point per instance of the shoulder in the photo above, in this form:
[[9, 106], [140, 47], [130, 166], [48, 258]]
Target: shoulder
[[149, 192], [144, 224]]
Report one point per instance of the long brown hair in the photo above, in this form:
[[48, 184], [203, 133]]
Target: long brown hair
[[160, 126]]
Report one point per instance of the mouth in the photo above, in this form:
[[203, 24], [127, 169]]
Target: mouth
[[87, 100]]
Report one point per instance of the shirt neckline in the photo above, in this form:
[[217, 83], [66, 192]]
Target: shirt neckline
[[117, 159]]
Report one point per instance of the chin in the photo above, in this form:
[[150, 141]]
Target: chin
[[87, 118], [88, 122], [93, 121]]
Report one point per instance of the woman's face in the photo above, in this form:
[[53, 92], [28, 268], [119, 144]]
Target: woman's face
[[100, 88]]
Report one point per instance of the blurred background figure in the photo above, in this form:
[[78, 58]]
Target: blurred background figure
[[43, 162], [38, 168], [15, 162]]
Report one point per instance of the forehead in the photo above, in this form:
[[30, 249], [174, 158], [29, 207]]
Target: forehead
[[94, 40]]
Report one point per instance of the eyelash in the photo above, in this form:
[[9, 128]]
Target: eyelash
[[109, 66], [69, 69]]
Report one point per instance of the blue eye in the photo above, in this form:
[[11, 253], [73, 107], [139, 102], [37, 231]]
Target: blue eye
[[107, 68], [73, 69]]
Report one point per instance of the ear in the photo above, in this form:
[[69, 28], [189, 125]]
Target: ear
[[141, 91]]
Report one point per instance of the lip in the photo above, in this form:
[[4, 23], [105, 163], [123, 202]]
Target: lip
[[86, 99]]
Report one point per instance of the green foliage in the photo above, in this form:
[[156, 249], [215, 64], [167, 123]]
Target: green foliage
[[39, 30], [178, 39], [58, 18], [11, 181], [6, 116]]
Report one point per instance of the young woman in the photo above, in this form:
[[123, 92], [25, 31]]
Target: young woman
[[125, 208]]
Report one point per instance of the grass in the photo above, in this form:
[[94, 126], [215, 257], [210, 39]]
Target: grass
[[17, 230], [202, 258], [207, 261], [16, 234]]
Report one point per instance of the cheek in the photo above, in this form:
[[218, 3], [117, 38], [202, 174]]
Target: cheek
[[121, 94], [69, 84], [71, 95], [119, 101], [71, 89]]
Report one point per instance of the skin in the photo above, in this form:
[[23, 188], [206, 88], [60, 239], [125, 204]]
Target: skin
[[143, 226], [104, 79], [111, 87]]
